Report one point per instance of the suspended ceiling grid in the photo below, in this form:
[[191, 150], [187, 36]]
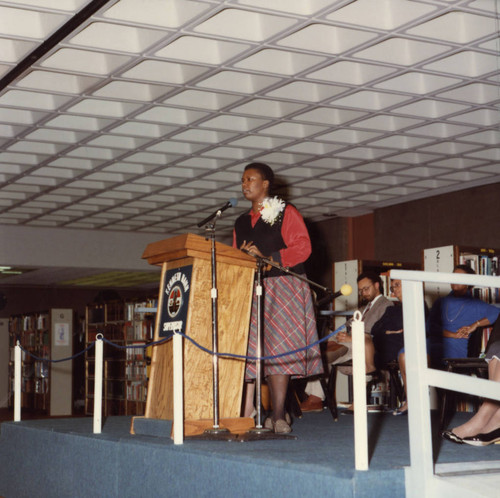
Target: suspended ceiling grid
[[142, 117]]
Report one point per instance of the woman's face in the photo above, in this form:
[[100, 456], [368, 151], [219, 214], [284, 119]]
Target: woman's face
[[254, 188], [396, 289], [459, 289]]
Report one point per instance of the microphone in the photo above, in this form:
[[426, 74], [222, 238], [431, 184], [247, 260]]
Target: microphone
[[345, 290], [230, 203]]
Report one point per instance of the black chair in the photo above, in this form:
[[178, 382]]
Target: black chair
[[472, 365]]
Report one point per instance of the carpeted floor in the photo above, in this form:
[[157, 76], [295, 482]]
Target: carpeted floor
[[47, 453]]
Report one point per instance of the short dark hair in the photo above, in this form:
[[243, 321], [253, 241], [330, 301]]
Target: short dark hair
[[374, 277], [465, 268], [265, 171]]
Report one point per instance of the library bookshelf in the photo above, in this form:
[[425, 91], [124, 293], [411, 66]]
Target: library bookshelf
[[44, 336], [130, 327]]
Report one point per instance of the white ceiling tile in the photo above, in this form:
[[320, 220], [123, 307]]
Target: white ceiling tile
[[174, 172], [369, 100], [66, 121], [204, 136], [171, 14], [400, 142], [487, 137], [449, 148], [458, 27], [57, 136], [202, 50], [388, 179], [164, 72], [430, 108], [48, 80], [238, 82], [44, 182], [363, 153], [173, 147], [20, 116], [294, 6], [203, 163], [117, 142], [412, 158], [106, 35], [467, 63], [35, 147], [478, 93], [490, 153], [235, 123], [259, 142], [329, 116], [267, 107], [332, 163], [171, 115], [306, 91], [465, 176], [227, 153], [141, 129], [68, 5], [101, 107], [306, 147], [383, 14], [349, 136], [423, 171], [457, 163], [14, 157], [132, 91], [418, 83], [9, 131], [29, 23], [287, 129], [432, 183], [85, 61], [387, 123], [443, 130], [326, 39], [355, 73], [401, 51], [481, 117], [94, 153], [492, 168], [68, 162], [401, 191], [147, 158], [279, 61], [244, 25], [203, 100], [12, 50], [33, 100]]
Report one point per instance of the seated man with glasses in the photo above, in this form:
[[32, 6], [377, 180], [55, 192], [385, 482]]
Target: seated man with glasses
[[371, 289]]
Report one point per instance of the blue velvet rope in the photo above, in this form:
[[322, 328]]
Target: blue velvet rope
[[199, 346]]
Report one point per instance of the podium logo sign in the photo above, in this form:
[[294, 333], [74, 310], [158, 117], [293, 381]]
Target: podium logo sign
[[175, 290]]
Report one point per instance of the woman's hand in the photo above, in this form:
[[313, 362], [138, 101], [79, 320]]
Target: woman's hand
[[251, 248]]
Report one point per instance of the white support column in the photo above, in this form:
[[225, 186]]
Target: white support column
[[17, 382], [422, 469], [359, 388], [178, 389], [98, 384]]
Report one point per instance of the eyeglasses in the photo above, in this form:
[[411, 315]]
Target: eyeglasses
[[365, 289]]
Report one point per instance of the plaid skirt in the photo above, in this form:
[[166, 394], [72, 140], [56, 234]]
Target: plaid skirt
[[288, 324]]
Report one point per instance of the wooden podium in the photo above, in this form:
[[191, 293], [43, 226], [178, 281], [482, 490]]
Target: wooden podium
[[235, 274]]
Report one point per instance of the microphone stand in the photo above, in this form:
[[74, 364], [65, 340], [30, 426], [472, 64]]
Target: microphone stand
[[216, 432], [259, 432]]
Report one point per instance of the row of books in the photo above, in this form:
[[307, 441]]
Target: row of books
[[136, 391], [482, 264], [23, 323], [136, 371]]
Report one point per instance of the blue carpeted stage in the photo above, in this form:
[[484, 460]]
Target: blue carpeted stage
[[62, 458]]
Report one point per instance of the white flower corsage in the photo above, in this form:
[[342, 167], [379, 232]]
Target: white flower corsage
[[272, 209]]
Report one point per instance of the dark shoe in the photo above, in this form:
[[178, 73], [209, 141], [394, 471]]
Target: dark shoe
[[451, 436], [483, 439], [349, 411], [312, 404], [399, 412]]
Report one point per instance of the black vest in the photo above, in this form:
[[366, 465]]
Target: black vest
[[266, 237]]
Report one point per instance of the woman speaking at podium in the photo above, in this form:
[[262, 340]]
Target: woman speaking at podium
[[275, 229]]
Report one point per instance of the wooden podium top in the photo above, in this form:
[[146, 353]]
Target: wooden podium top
[[191, 245]]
